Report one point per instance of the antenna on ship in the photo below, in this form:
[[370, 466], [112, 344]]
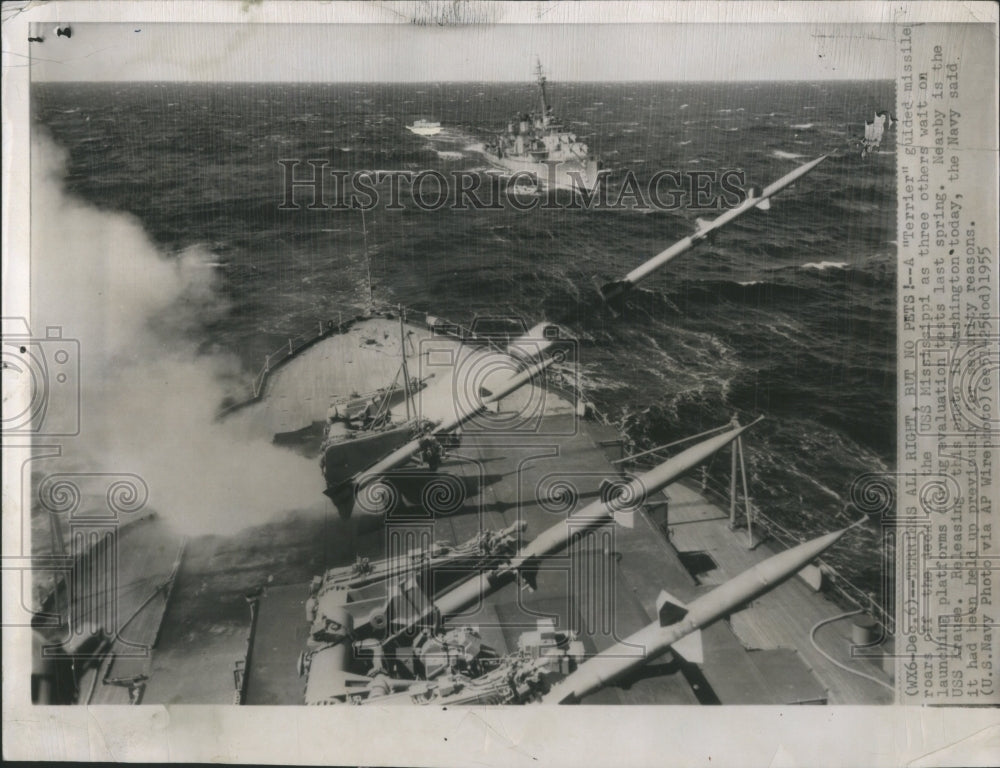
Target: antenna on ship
[[541, 84], [406, 370], [368, 263]]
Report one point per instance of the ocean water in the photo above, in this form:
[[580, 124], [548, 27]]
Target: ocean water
[[788, 314]]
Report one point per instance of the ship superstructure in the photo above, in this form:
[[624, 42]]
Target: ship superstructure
[[539, 144]]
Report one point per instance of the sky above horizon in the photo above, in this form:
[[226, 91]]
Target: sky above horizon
[[202, 52]]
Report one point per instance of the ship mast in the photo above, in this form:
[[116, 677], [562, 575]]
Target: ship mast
[[368, 262], [406, 370], [541, 86]]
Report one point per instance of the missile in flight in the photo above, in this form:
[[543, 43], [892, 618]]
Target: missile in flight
[[618, 288]]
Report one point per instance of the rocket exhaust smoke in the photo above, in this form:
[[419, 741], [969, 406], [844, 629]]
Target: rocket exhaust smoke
[[148, 399]]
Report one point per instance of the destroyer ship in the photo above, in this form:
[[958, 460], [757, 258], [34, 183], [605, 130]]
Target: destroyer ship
[[485, 537], [537, 143]]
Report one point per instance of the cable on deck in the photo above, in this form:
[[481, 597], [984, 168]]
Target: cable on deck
[[812, 639]]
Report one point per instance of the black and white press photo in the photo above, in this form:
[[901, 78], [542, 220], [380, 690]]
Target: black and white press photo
[[485, 368]]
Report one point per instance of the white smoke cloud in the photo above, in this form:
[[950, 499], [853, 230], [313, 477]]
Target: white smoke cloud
[[149, 400]]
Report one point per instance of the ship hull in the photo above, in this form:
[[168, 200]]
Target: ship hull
[[562, 174]]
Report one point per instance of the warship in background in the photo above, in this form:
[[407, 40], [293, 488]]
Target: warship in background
[[494, 544], [538, 143]]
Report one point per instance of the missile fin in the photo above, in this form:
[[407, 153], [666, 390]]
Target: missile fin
[[690, 648], [765, 204], [669, 609], [614, 290], [625, 517]]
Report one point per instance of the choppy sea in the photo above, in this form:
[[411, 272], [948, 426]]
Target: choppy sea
[[788, 314]]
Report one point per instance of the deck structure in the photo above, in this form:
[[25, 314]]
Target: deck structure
[[784, 618], [237, 610]]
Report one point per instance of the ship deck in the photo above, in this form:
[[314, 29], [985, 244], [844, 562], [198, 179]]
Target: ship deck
[[605, 586], [783, 618], [122, 587]]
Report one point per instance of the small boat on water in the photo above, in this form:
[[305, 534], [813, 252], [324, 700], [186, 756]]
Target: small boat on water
[[425, 128]]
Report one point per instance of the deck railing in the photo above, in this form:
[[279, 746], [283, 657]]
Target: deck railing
[[292, 347], [767, 528], [325, 328]]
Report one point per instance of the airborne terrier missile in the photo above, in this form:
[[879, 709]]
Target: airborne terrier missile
[[618, 288], [679, 626]]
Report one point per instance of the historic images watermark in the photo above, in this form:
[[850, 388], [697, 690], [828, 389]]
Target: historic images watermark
[[41, 381], [312, 184]]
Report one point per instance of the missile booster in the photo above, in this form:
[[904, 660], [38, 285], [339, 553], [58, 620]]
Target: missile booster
[[678, 626]]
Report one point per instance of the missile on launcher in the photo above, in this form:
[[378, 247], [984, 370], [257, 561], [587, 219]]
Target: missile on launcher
[[679, 626]]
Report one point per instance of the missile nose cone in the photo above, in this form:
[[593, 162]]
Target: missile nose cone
[[815, 547], [813, 163], [781, 566], [830, 538]]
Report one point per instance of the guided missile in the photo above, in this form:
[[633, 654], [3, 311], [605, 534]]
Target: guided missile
[[470, 592], [679, 626], [401, 455], [349, 577], [634, 493], [618, 288]]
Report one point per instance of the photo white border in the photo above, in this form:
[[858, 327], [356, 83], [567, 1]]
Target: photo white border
[[501, 736]]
